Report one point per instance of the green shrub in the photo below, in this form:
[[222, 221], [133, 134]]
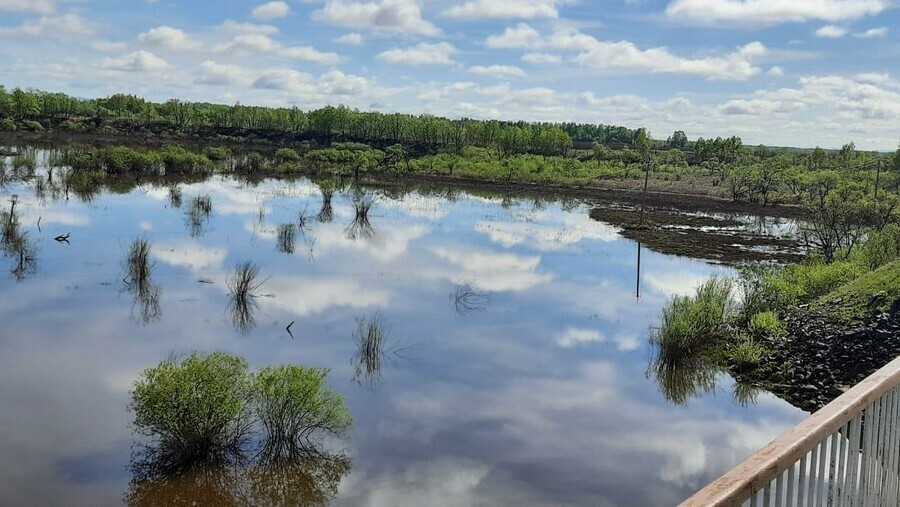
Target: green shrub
[[24, 162], [72, 126], [776, 289], [880, 248], [176, 159], [8, 124], [121, 159], [32, 125], [210, 409], [294, 406], [196, 410], [767, 324], [287, 155], [217, 153], [251, 162], [691, 324], [351, 146], [745, 354], [818, 278], [874, 291]]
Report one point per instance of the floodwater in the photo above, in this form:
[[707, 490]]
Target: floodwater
[[514, 368]]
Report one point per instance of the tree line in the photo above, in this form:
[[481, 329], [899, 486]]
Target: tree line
[[508, 138]]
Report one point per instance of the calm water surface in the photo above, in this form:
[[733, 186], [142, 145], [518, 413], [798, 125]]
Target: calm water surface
[[538, 395]]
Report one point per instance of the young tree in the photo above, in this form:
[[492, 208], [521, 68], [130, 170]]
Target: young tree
[[677, 140]]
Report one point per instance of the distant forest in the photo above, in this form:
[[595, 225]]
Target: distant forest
[[36, 110]]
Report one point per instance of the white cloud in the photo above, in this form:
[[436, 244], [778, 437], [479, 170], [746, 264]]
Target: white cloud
[[188, 255], [235, 27], [303, 84], [106, 46], [776, 71], [541, 58], [440, 53], [351, 39], [261, 43], [625, 56], [831, 32], [392, 16], [287, 80], [497, 70], [38, 6], [847, 98], [271, 10], [66, 25], [311, 54], [572, 337], [521, 36], [174, 39], [503, 9], [770, 12], [871, 33], [492, 271], [304, 296], [250, 43], [212, 73], [337, 82], [139, 61]]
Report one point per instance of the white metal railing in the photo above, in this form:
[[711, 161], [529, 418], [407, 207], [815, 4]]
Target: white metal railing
[[846, 454]]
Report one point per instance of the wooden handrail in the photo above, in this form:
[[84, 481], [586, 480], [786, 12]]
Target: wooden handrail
[[757, 471]]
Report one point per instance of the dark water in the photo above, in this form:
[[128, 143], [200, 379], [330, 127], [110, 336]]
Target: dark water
[[536, 393]]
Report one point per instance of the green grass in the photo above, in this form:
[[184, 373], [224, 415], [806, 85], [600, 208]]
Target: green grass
[[873, 291], [694, 324]]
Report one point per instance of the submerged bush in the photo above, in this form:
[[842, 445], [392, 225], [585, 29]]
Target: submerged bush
[[287, 155], [210, 410], [745, 354], [294, 406], [24, 163], [217, 153], [121, 159], [176, 159], [196, 410], [693, 323]]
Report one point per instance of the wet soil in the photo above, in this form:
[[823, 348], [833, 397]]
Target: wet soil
[[717, 238]]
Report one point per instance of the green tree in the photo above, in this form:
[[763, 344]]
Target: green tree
[[677, 140], [25, 104]]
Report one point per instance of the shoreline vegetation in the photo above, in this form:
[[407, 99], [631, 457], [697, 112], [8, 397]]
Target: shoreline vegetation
[[805, 331], [763, 326]]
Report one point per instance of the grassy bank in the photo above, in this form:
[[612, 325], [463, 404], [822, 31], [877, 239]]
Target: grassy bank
[[739, 325]]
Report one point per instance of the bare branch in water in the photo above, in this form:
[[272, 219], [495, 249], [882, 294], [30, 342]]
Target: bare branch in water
[[468, 298]]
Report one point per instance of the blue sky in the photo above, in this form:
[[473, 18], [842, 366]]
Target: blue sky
[[781, 72]]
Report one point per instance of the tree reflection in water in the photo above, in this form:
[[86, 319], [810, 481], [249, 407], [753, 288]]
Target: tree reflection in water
[[15, 244], [197, 216], [212, 433], [683, 377], [138, 281], [326, 212], [360, 227], [309, 480], [243, 288]]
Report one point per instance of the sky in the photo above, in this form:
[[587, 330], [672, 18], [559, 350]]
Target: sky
[[777, 72]]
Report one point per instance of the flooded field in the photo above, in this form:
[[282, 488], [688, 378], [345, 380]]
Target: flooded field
[[491, 349]]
